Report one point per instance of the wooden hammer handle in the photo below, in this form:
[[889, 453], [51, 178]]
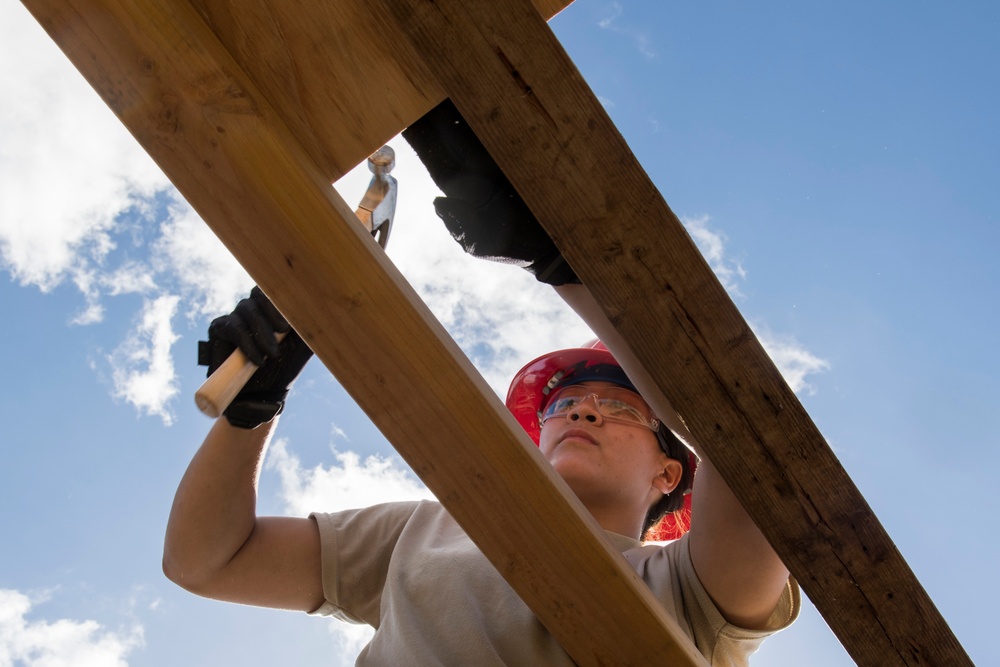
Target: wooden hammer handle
[[221, 387]]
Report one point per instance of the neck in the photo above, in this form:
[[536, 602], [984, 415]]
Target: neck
[[615, 519]]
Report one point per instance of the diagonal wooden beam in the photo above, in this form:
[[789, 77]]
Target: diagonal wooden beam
[[189, 103], [537, 117], [342, 79]]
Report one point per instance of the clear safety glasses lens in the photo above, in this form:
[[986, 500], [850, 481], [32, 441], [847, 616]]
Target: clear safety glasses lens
[[618, 405]]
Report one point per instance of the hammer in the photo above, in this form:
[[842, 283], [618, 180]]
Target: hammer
[[375, 213], [378, 205]]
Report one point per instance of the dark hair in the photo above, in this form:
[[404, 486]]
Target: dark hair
[[673, 501]]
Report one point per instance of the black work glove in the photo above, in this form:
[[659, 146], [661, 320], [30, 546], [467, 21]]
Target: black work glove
[[251, 327], [481, 209]]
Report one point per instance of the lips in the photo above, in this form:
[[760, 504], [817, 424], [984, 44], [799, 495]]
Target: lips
[[579, 433]]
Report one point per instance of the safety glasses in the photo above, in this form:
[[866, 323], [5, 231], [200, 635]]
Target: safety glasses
[[615, 404]]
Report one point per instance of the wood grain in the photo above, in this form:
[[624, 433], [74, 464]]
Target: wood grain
[[339, 76]]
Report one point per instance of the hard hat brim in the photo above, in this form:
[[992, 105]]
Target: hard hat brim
[[531, 385]]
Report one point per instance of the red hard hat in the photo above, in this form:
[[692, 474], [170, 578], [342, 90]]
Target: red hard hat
[[529, 392], [530, 388]]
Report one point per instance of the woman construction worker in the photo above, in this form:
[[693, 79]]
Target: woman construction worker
[[408, 569]]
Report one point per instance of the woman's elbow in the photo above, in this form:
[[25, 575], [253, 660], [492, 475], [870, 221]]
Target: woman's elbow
[[186, 572]]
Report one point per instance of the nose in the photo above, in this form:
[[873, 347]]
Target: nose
[[587, 410]]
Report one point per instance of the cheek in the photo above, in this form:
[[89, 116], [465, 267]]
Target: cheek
[[643, 450], [546, 441]]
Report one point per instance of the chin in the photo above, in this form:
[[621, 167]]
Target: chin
[[574, 470]]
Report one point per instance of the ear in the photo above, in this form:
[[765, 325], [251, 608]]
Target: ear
[[669, 476]]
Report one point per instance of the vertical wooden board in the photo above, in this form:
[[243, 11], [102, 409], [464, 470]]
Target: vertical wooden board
[[535, 114], [220, 141]]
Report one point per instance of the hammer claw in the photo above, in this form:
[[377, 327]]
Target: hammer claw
[[378, 206]]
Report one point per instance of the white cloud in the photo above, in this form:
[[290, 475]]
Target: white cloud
[[210, 278], [640, 38], [499, 315], [616, 12], [350, 639], [338, 433], [68, 168], [143, 369], [795, 362], [712, 244], [70, 173], [348, 482], [132, 277], [61, 643]]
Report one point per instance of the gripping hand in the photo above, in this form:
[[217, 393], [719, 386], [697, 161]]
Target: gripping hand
[[251, 327], [481, 209]]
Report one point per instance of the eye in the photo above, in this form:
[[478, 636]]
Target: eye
[[564, 403], [621, 410]]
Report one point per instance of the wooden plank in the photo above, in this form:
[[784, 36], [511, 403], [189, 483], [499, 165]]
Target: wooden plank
[[164, 72], [537, 117], [342, 80]]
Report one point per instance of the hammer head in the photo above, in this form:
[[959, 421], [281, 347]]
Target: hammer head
[[382, 161], [378, 206]]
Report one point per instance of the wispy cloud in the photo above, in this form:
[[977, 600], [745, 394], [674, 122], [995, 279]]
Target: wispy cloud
[[347, 482], [202, 269], [142, 366], [712, 244], [638, 37], [795, 362], [25, 641]]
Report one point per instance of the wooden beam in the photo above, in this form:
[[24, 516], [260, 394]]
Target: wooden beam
[[343, 80], [537, 117], [164, 72]]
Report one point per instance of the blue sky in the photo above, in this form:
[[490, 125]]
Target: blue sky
[[835, 162]]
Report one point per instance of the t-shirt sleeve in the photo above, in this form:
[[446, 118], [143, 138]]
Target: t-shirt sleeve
[[356, 549], [732, 645], [670, 573]]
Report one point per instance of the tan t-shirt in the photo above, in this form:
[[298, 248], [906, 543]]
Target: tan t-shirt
[[409, 571]]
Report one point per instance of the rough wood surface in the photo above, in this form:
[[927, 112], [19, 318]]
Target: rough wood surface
[[229, 151], [339, 77], [535, 114]]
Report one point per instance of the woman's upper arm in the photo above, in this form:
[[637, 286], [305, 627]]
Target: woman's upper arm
[[734, 562], [278, 566]]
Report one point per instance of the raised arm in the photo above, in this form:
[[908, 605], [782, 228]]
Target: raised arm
[[485, 215], [736, 565], [216, 545]]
